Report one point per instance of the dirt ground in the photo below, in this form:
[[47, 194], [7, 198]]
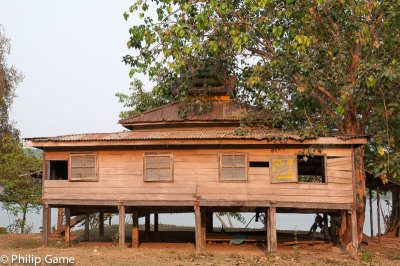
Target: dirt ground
[[28, 247]]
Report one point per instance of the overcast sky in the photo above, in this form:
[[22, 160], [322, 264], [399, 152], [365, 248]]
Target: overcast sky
[[71, 55]]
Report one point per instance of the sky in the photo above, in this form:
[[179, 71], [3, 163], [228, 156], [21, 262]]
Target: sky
[[70, 53]]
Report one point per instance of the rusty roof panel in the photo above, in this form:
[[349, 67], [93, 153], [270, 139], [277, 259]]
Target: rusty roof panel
[[215, 111], [171, 134]]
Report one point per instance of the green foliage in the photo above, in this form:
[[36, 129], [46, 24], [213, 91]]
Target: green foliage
[[9, 79], [366, 255], [115, 238], [320, 68], [21, 192], [140, 100], [235, 215]]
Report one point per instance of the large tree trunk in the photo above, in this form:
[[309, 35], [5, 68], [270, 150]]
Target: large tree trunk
[[360, 190], [24, 210]]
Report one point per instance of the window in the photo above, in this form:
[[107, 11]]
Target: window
[[83, 167], [259, 164], [283, 169], [311, 169], [233, 166], [158, 166], [58, 170]]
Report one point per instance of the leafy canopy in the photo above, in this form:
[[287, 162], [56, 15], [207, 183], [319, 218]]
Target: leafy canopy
[[21, 191], [9, 79], [140, 100], [320, 67]]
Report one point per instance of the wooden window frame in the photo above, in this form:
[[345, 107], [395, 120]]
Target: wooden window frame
[[96, 167], [246, 166], [159, 154], [325, 168]]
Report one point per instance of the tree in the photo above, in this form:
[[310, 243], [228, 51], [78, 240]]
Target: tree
[[140, 100], [320, 67], [9, 79], [21, 191]]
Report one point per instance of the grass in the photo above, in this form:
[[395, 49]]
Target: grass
[[26, 243], [366, 255], [393, 254]]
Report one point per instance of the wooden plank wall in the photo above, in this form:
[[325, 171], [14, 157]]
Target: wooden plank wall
[[196, 174]]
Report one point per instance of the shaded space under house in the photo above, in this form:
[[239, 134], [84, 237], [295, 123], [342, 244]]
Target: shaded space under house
[[392, 222], [198, 163]]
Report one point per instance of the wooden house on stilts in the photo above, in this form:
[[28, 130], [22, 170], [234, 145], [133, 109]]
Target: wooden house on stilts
[[168, 163]]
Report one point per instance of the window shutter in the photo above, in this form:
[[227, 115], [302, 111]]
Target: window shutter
[[83, 167], [158, 167], [233, 167]]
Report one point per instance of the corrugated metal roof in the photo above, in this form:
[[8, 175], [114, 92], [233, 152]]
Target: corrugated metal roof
[[214, 111], [172, 134]]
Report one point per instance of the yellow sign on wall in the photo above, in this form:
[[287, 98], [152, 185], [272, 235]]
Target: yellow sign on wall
[[283, 169]]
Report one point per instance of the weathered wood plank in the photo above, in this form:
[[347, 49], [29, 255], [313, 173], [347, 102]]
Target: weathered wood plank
[[56, 156], [341, 174], [338, 180], [123, 190], [342, 167], [339, 160], [127, 196], [121, 171]]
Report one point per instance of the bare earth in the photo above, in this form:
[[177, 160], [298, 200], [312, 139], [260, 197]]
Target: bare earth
[[91, 253]]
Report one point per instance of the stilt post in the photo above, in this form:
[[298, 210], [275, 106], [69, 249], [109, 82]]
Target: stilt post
[[86, 237], [135, 229], [273, 246], [60, 218], [354, 234], [121, 228], [155, 221], [68, 226], [209, 223], [101, 224], [45, 227], [147, 227], [203, 225], [147, 223], [197, 217], [49, 223]]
